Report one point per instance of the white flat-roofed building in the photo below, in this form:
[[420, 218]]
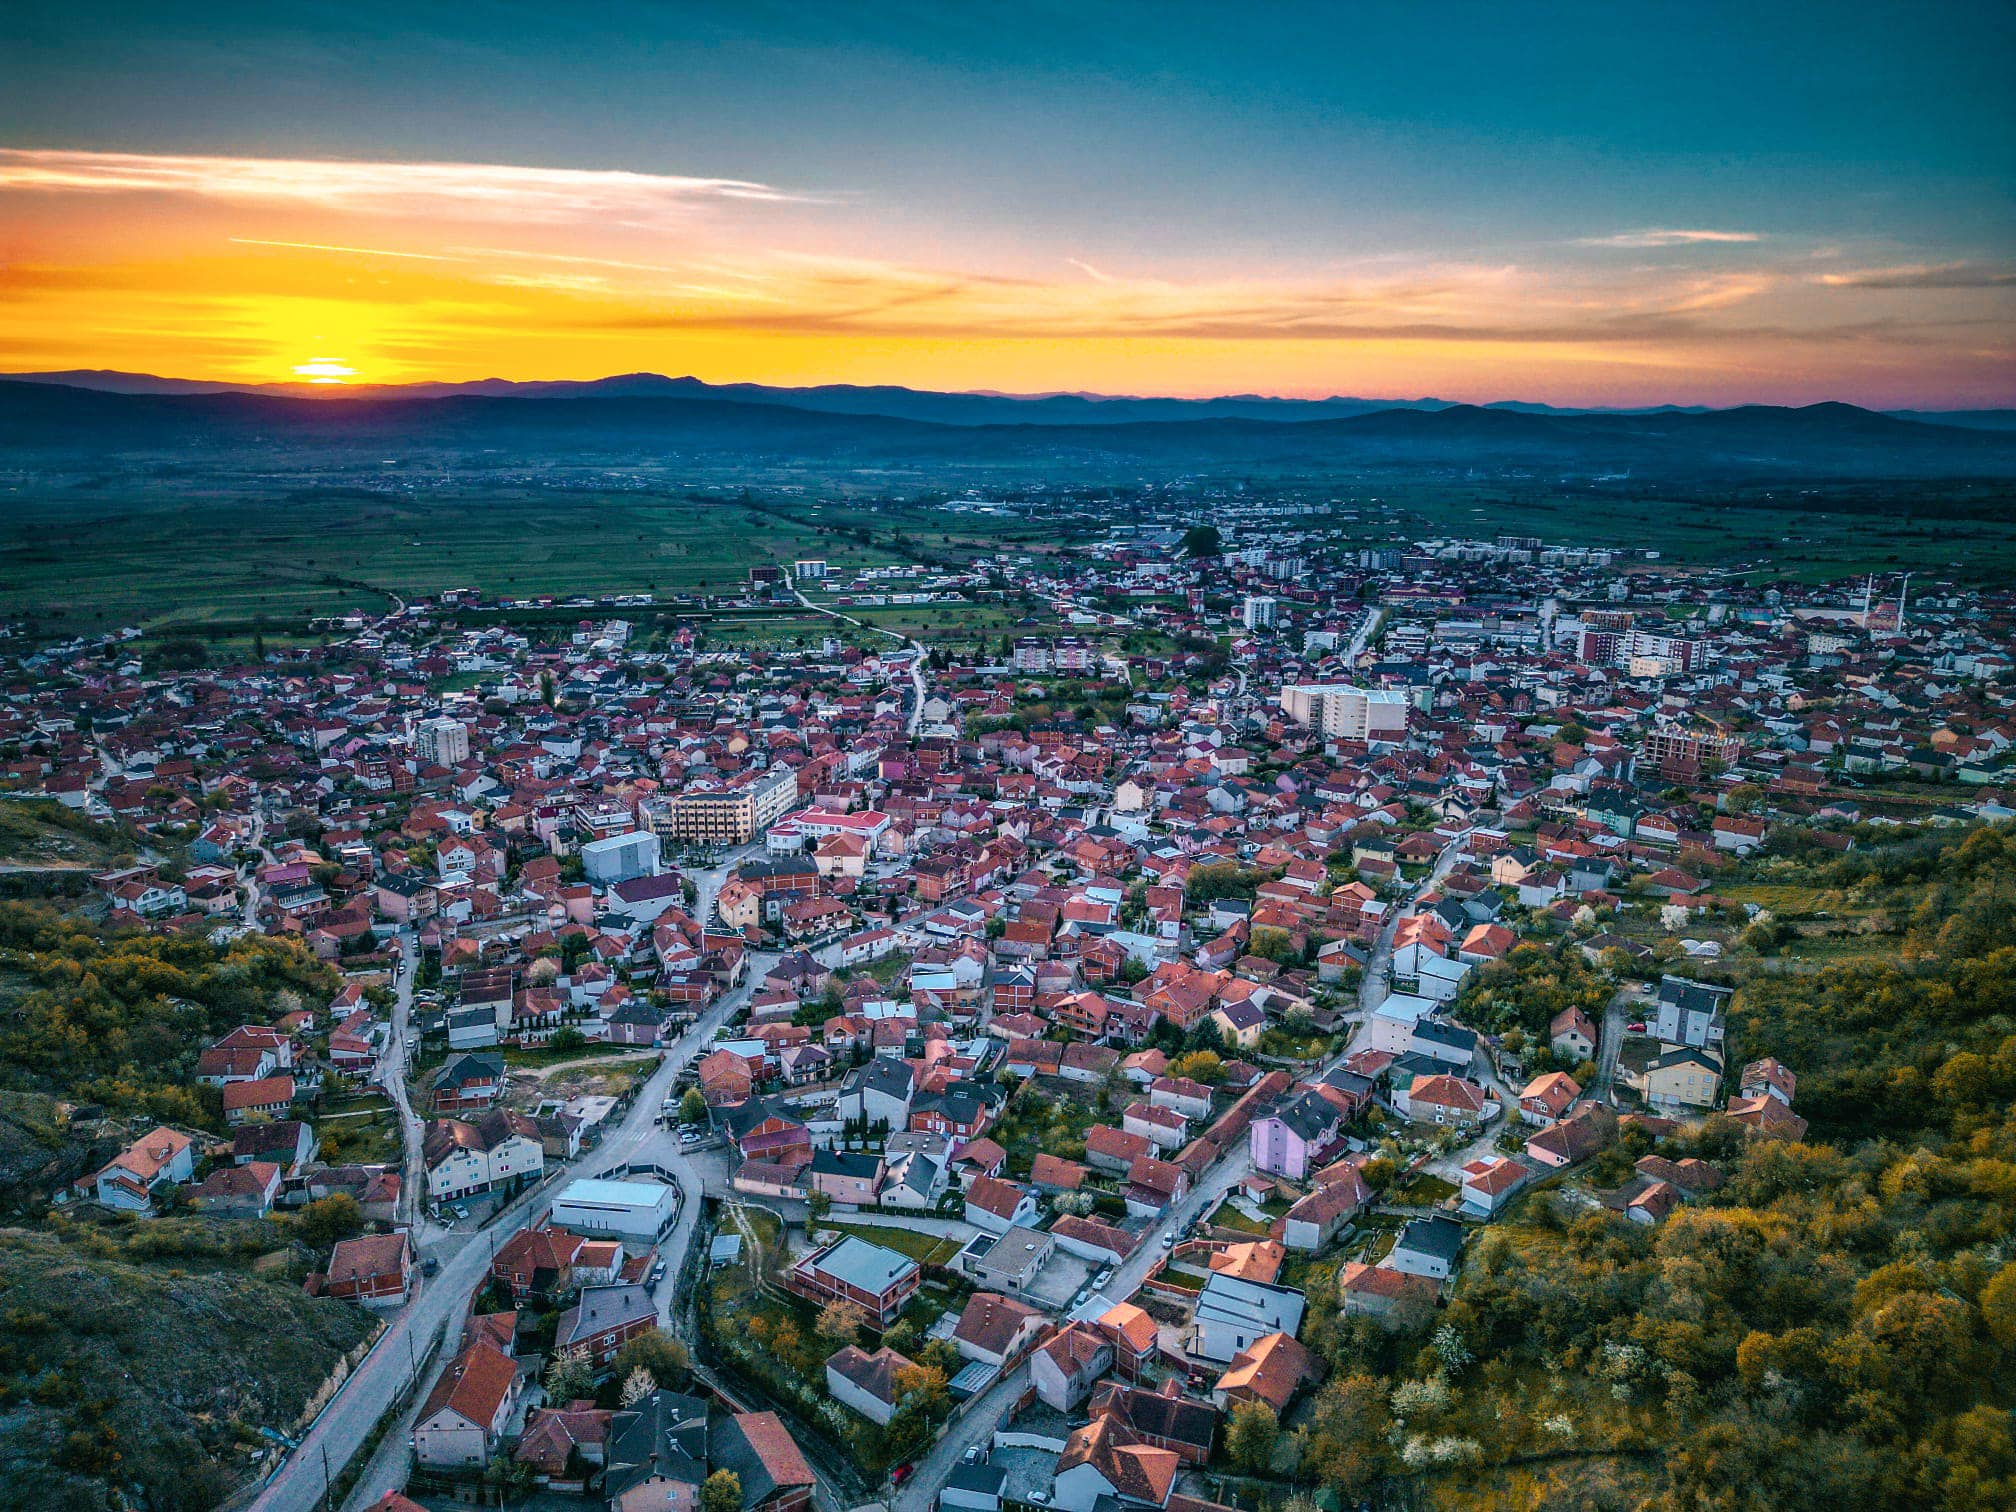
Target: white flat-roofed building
[[1233, 1314], [442, 741], [619, 858], [1344, 712], [635, 1210]]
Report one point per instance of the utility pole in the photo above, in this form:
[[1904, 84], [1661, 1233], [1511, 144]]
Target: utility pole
[[328, 1481]]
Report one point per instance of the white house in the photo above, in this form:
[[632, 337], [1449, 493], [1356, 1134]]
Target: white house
[[157, 1159], [464, 1158], [1233, 1315], [464, 1415], [1391, 1025], [1427, 1247], [865, 1382]]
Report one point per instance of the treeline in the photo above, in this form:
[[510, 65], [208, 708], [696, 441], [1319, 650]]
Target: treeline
[[118, 1017], [1834, 1327]]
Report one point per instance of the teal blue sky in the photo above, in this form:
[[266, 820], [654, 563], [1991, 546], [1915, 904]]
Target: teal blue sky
[[1658, 160]]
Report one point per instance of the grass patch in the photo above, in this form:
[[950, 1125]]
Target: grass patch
[[1037, 1122], [925, 1249], [1231, 1217], [41, 831], [1421, 1190]]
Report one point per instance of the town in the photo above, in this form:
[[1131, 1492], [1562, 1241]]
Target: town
[[997, 1070]]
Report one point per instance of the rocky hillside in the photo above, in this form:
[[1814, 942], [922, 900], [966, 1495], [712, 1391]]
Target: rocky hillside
[[137, 1365]]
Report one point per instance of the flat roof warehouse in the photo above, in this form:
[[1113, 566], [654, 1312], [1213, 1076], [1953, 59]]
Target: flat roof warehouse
[[630, 1208]]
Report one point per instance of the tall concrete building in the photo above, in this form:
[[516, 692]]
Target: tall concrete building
[[1344, 712], [725, 816], [1258, 611], [442, 741]]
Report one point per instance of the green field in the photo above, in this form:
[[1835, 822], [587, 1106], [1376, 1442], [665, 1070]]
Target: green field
[[159, 560], [222, 554], [1805, 534], [41, 832]]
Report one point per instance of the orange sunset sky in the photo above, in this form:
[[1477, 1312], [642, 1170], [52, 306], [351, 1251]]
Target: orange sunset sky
[[801, 200]]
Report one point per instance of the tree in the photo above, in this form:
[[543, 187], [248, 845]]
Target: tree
[[721, 1492], [1274, 945], [567, 1039], [840, 1322], [330, 1220], [819, 1204], [637, 1385], [656, 1352], [693, 1107], [570, 1377], [1250, 1436], [1743, 798], [1998, 1306], [920, 1389], [1202, 541], [1205, 1066]]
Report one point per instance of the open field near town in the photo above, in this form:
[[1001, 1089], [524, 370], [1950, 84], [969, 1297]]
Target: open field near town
[[159, 558], [1808, 535], [224, 556]]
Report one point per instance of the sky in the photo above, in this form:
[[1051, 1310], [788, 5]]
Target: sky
[[1577, 204]]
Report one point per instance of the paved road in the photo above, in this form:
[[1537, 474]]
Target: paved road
[[1366, 631], [980, 1420], [917, 694], [257, 839], [1628, 1003], [370, 1391], [1376, 984], [392, 1073]]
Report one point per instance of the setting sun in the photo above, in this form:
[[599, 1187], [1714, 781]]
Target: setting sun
[[324, 370]]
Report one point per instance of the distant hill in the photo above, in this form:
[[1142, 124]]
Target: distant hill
[[898, 403], [889, 400], [1822, 440], [1981, 419]]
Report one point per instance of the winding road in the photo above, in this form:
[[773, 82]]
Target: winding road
[[915, 720]]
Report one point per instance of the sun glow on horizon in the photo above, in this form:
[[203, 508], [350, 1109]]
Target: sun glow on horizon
[[324, 370]]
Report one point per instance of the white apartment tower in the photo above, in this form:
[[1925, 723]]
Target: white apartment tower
[[442, 742], [1343, 712]]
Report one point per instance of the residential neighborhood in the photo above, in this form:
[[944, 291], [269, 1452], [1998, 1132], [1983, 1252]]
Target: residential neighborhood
[[878, 1072]]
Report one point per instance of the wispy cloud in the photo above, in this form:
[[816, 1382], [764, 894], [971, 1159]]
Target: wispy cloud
[[1642, 239], [573, 260], [1088, 270], [301, 246], [1952, 275], [469, 191]]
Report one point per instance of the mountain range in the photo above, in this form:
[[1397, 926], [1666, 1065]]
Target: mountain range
[[895, 402], [644, 416]]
